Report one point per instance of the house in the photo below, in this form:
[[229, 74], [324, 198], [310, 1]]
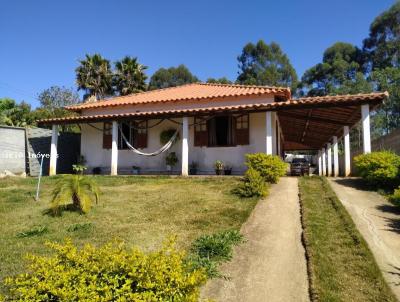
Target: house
[[216, 122]]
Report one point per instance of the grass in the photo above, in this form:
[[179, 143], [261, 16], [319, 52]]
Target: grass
[[341, 266], [141, 211]]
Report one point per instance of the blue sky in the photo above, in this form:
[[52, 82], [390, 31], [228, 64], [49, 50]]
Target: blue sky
[[41, 41]]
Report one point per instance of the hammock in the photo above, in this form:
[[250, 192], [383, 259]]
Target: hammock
[[155, 153]]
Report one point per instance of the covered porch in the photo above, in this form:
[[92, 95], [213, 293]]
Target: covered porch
[[314, 123]]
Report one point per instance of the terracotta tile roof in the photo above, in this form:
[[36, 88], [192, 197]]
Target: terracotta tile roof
[[327, 101], [195, 91]]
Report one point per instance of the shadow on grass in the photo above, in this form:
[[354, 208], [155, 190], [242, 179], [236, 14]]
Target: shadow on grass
[[65, 208]]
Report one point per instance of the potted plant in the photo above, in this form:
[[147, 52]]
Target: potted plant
[[219, 167], [227, 170], [193, 168], [171, 160], [135, 170]]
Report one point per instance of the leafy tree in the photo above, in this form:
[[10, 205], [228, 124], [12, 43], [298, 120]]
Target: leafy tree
[[223, 80], [94, 76], [129, 76], [263, 64], [388, 116], [52, 103], [383, 43], [382, 48], [13, 114], [171, 77], [56, 97], [341, 72]]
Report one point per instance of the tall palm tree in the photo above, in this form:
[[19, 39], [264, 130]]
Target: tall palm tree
[[94, 75], [129, 76]]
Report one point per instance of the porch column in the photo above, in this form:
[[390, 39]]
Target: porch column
[[319, 163], [366, 128], [53, 150], [268, 138], [335, 157], [329, 148], [346, 135], [114, 149], [185, 146], [323, 162]]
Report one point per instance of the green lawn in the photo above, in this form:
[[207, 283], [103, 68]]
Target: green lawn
[[142, 211], [341, 264]]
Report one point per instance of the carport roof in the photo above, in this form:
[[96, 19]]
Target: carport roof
[[311, 127]]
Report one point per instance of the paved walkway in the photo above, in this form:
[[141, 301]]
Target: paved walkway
[[379, 223], [271, 265]]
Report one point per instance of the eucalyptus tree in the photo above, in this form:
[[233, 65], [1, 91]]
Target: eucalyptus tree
[[265, 64]]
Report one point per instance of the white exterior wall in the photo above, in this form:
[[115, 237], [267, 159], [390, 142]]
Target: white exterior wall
[[96, 156]]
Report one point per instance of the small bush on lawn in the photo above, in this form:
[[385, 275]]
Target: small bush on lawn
[[253, 184], [271, 167], [395, 197], [210, 250], [109, 273], [379, 169]]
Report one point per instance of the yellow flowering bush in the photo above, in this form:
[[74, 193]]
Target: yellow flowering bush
[[109, 273]]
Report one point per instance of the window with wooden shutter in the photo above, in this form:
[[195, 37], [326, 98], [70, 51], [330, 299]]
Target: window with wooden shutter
[[242, 129], [107, 135], [200, 132], [140, 134]]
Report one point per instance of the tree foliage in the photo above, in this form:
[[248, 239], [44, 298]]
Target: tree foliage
[[263, 64], [341, 72], [13, 114], [223, 80], [94, 76], [171, 77], [129, 76], [383, 43]]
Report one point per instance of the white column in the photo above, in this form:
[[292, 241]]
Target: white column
[[274, 138], [335, 157], [53, 150], [268, 138], [366, 128], [279, 141], [323, 162], [319, 163], [114, 149], [185, 146], [329, 163], [347, 167]]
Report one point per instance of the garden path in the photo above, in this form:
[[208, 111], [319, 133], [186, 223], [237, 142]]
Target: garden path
[[270, 265], [379, 223]]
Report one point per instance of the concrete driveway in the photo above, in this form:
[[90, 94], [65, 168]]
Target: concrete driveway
[[379, 223], [271, 265]]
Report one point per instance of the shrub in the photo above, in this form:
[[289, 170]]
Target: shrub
[[109, 273], [76, 190], [253, 184], [395, 197], [271, 167], [380, 169]]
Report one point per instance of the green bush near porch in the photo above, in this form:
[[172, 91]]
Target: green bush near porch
[[253, 184], [380, 169], [271, 167]]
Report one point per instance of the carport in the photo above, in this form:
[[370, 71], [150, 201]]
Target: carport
[[318, 123]]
